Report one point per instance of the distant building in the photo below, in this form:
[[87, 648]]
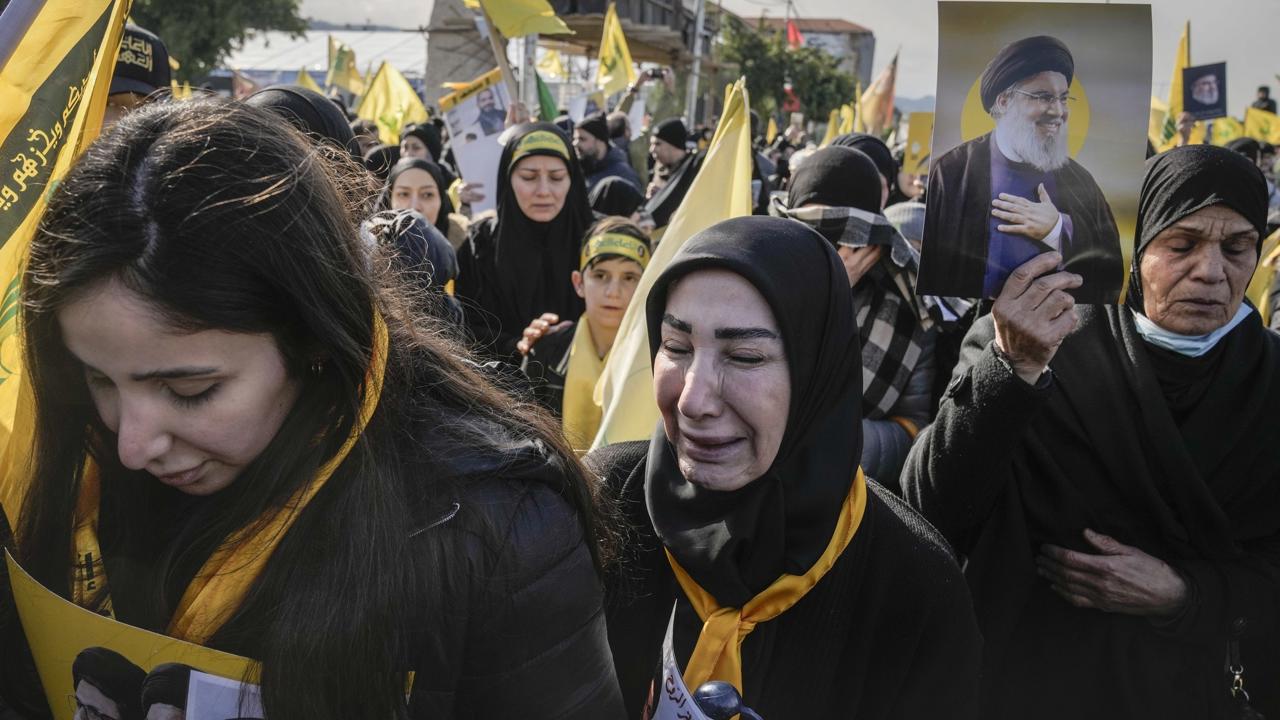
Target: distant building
[[853, 44]]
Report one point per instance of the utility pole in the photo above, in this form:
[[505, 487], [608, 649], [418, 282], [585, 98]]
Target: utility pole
[[691, 96]]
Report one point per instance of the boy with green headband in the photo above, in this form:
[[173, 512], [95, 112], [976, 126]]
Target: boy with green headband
[[569, 356]]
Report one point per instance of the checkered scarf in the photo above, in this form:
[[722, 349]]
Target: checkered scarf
[[892, 319]]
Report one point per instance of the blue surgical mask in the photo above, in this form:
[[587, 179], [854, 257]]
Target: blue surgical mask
[[1189, 345]]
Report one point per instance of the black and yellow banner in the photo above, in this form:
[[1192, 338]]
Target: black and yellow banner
[[58, 59]]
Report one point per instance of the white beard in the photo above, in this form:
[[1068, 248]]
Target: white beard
[[1020, 138]]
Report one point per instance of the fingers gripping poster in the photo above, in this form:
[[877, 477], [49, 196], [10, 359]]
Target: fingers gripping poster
[[1038, 144], [95, 667]]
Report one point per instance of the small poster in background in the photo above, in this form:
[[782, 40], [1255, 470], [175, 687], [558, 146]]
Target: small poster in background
[[1040, 134], [1204, 91], [584, 105], [476, 115]]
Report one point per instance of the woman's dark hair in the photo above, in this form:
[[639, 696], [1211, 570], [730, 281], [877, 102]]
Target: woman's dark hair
[[221, 218]]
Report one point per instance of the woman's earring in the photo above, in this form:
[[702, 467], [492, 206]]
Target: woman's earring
[[317, 366]]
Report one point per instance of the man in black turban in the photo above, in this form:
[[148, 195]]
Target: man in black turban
[[1000, 199]]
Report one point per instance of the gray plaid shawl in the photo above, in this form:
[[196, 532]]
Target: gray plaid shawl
[[892, 319]]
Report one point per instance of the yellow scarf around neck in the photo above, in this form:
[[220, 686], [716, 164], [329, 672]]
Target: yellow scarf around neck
[[579, 412], [718, 652], [222, 583]]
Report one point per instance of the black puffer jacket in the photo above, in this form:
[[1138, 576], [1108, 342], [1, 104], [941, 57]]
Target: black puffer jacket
[[523, 634]]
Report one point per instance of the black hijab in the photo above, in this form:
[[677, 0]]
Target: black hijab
[[875, 149], [533, 261], [310, 112], [734, 544], [429, 135], [446, 204], [838, 176], [1185, 180], [615, 196]]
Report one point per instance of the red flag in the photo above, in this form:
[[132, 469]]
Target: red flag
[[794, 38]]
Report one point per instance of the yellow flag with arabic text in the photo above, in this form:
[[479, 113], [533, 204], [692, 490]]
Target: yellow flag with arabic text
[[1262, 125], [616, 71], [552, 65], [1226, 129], [343, 72], [53, 93], [391, 103], [875, 107], [721, 190]]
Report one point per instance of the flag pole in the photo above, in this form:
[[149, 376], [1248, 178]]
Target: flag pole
[[691, 95], [500, 54]]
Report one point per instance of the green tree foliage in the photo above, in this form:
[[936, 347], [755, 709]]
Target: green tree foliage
[[767, 62], [200, 33]]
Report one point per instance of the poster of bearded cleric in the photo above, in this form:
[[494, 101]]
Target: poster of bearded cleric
[[1038, 145]]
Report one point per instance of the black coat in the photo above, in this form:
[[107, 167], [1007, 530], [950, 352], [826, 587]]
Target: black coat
[[957, 227], [1007, 467], [889, 632]]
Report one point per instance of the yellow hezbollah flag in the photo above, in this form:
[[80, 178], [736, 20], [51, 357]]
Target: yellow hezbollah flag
[[1226, 129], [552, 65], [53, 92], [915, 159], [343, 72], [721, 190], [392, 103], [1168, 133], [846, 119], [615, 71], [1155, 121], [875, 108], [1259, 289], [833, 128], [771, 131], [517, 18], [1262, 125], [305, 80]]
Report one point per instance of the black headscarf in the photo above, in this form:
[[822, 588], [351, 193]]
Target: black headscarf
[[1184, 180], [1022, 59], [429, 135], [734, 544], [534, 261], [837, 176], [310, 112], [615, 196], [166, 684], [1247, 147], [113, 675], [446, 205], [875, 149], [380, 158]]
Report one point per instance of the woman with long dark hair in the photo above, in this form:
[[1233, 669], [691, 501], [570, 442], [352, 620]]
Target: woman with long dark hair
[[516, 265], [259, 445]]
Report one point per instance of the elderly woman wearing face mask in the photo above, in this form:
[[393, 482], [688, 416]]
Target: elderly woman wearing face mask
[[761, 556], [1117, 489]]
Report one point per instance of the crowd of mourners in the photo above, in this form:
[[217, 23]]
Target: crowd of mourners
[[859, 502]]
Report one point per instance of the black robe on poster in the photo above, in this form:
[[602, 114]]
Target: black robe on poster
[[1120, 439], [888, 633], [957, 225]]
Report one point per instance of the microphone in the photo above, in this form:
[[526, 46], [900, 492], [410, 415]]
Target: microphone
[[719, 700]]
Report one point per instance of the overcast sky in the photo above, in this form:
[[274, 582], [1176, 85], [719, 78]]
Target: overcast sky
[[1244, 33]]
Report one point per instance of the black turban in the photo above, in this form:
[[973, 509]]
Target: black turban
[[166, 684], [875, 149], [1022, 59], [836, 176], [310, 112], [597, 125], [1184, 180], [672, 131], [113, 675], [430, 136]]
